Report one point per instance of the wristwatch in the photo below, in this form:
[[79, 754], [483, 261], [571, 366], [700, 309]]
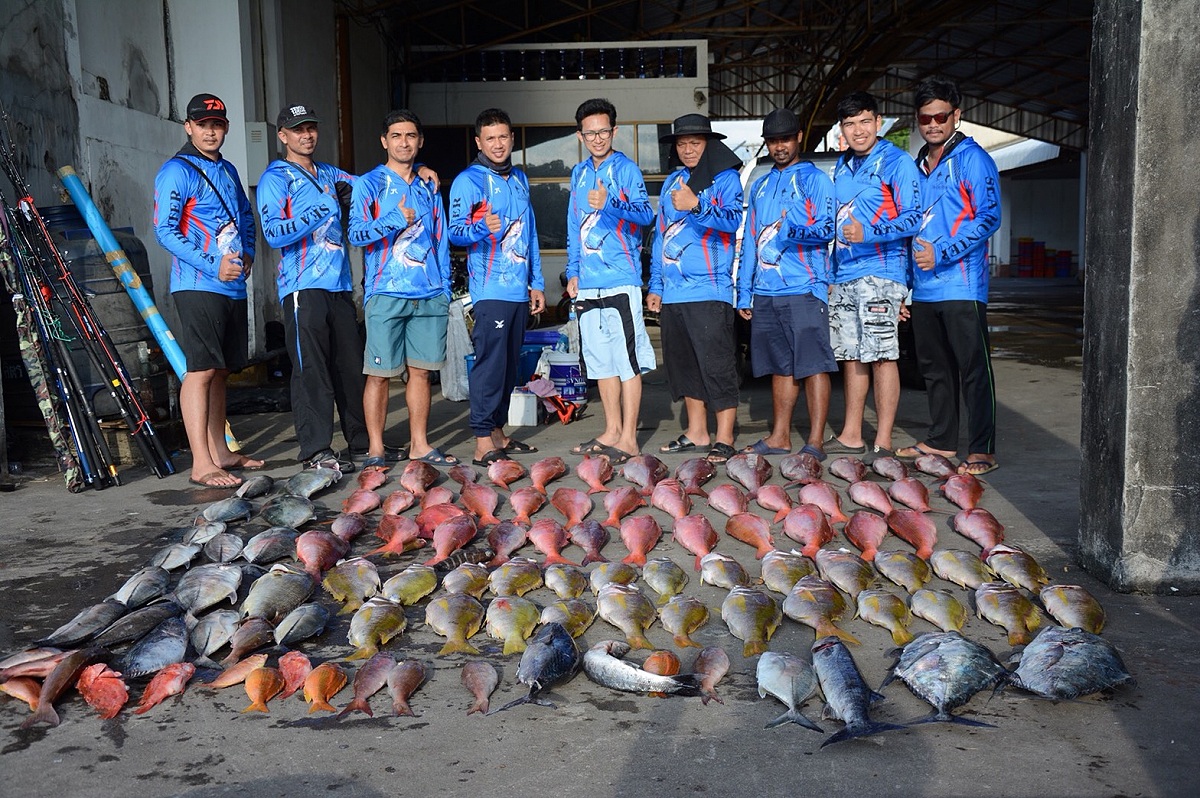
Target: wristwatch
[[696, 210]]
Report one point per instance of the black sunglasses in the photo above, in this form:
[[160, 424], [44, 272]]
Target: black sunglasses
[[941, 118]]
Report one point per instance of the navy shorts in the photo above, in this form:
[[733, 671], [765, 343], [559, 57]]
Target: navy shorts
[[789, 336], [213, 332]]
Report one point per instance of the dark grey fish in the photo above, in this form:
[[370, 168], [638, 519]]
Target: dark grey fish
[[206, 585], [223, 547], [271, 544], [85, 624], [202, 533], [311, 481], [470, 554], [945, 669], [550, 658], [307, 620], [232, 509], [251, 635], [290, 511], [213, 631], [177, 555], [276, 593], [165, 645], [255, 486], [1069, 663], [847, 697], [137, 623], [145, 585]]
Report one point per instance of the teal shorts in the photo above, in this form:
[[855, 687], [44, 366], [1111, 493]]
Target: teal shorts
[[405, 332]]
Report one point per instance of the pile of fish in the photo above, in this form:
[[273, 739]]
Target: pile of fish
[[268, 572]]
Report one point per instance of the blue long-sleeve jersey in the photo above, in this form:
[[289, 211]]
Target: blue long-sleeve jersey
[[411, 261], [192, 224], [604, 246], [692, 259], [882, 190], [503, 265], [789, 224], [302, 218], [962, 211]]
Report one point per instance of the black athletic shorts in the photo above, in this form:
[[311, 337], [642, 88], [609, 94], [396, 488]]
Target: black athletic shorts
[[213, 331], [698, 343]]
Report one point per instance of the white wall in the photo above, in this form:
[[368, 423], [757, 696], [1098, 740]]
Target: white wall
[[1044, 210]]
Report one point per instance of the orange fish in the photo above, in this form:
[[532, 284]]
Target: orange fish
[[866, 531], [263, 684], [25, 688], [322, 684], [103, 689], [64, 676], [661, 663], [752, 530], [808, 525], [166, 683], [502, 472], [236, 673], [824, 496], [525, 502], [295, 667], [620, 503], [399, 533], [480, 501], [915, 529], [549, 537], [640, 534], [696, 534], [450, 536], [546, 471], [595, 471], [362, 501], [398, 501]]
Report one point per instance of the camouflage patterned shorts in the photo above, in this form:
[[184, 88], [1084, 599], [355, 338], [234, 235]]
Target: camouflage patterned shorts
[[863, 315]]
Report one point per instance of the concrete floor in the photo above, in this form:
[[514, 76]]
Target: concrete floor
[[62, 552]]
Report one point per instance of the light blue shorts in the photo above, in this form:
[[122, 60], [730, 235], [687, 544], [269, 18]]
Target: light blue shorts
[[405, 332], [612, 333]]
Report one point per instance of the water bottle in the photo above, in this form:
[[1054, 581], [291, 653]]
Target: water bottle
[[572, 331]]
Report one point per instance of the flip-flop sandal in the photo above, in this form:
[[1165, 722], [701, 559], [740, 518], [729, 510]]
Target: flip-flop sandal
[[515, 446], [834, 446], [808, 448], [720, 453], [206, 481], [437, 457], [977, 468], [590, 447], [375, 462], [681, 444], [762, 447], [616, 456], [490, 457]]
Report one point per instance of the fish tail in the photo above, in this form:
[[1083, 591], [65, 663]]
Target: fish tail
[[555, 558], [863, 730], [810, 551], [256, 706], [515, 644], [752, 495], [498, 560], [458, 646], [691, 684], [45, 713], [480, 706], [598, 489], [360, 704], [615, 524], [683, 641], [400, 708], [697, 562], [780, 515], [635, 558], [321, 704], [435, 560], [826, 629], [514, 703], [868, 554], [639, 641], [794, 716], [695, 490], [764, 550], [754, 648], [366, 652], [710, 694], [900, 636], [591, 558], [939, 717]]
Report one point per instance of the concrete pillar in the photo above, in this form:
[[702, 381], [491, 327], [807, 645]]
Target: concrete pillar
[[1140, 485]]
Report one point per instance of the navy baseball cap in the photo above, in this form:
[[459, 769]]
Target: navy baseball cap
[[206, 106], [295, 114]]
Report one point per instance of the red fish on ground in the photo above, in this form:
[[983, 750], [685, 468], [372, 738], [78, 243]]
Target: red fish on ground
[[372, 478], [912, 493], [694, 473], [620, 503], [168, 682], [751, 470], [525, 502], [752, 530], [774, 497], [640, 534], [431, 518], [808, 525], [103, 689], [696, 534], [403, 681], [574, 504], [980, 526], [362, 501], [480, 501], [439, 494], [728, 500], [670, 496], [546, 471], [369, 679], [450, 536], [398, 501], [935, 466], [595, 471], [889, 467], [871, 495], [462, 474], [349, 526], [295, 667], [591, 536], [914, 528], [418, 476], [800, 468], [399, 534], [549, 537], [850, 469], [866, 531], [826, 497], [504, 472], [319, 550], [963, 490], [505, 538], [645, 471], [711, 665]]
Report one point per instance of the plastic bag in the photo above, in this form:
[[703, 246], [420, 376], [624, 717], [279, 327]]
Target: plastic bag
[[458, 346]]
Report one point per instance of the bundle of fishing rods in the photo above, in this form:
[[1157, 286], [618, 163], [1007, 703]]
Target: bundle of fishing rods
[[54, 319]]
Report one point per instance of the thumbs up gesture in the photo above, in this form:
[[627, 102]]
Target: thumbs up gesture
[[683, 198], [493, 222], [598, 197], [409, 213]]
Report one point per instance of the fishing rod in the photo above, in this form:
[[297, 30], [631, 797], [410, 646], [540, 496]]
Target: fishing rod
[[56, 276]]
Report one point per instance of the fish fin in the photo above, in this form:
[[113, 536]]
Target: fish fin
[[866, 730], [401, 709], [320, 705], [480, 706], [875, 698], [366, 652], [686, 642], [827, 629], [710, 695], [591, 558], [696, 490], [639, 641], [635, 559], [611, 523], [754, 648], [794, 716], [45, 713], [780, 515], [257, 706], [901, 636], [691, 684], [558, 559], [360, 704], [514, 645], [598, 489], [515, 702], [934, 717], [454, 646]]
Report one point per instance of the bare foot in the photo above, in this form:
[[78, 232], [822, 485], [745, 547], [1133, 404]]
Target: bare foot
[[242, 461]]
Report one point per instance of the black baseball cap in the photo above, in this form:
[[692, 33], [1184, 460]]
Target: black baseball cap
[[206, 106], [779, 123], [294, 114]]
